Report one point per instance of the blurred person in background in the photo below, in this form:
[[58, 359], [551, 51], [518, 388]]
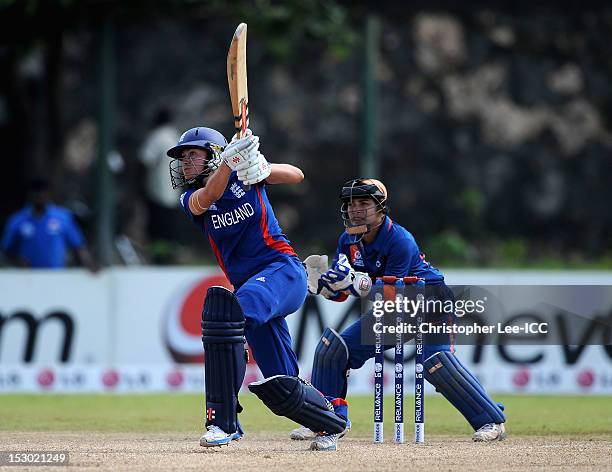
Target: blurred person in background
[[161, 197], [41, 235]]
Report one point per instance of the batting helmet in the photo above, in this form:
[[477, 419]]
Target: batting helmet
[[202, 138]]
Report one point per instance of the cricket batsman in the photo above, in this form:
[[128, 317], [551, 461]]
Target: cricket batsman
[[377, 247], [225, 197]]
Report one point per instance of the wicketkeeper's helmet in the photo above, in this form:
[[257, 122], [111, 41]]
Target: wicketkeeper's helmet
[[362, 188]]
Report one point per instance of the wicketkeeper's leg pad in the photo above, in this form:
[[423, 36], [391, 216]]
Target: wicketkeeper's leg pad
[[225, 357], [452, 379], [299, 401], [330, 365]]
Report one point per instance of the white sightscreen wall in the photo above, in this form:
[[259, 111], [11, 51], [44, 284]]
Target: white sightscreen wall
[[137, 330]]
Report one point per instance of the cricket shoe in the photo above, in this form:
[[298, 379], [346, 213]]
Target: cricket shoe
[[215, 436], [327, 442], [490, 432], [302, 433]]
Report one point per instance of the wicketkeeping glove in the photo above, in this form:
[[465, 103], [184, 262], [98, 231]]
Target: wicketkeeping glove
[[343, 277], [327, 293], [315, 266]]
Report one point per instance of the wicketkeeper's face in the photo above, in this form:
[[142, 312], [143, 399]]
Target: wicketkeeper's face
[[193, 161], [364, 211]]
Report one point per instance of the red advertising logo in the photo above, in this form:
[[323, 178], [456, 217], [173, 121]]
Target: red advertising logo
[[45, 378], [110, 378], [521, 378], [586, 378], [175, 378]]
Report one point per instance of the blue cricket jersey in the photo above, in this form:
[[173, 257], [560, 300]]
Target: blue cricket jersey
[[42, 240], [393, 252], [242, 230]]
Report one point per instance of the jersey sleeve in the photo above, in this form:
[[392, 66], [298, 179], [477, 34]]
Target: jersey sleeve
[[10, 236], [74, 236], [403, 256], [184, 202]]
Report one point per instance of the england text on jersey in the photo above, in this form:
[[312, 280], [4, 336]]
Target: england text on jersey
[[233, 217]]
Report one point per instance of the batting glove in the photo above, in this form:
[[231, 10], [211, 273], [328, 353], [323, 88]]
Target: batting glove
[[243, 152], [254, 173]]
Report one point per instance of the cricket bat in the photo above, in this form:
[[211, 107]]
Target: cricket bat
[[237, 79]]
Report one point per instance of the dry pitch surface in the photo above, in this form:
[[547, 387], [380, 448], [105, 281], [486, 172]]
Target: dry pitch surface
[[161, 432], [116, 451]]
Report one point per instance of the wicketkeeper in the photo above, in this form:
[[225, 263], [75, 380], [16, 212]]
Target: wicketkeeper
[[378, 246]]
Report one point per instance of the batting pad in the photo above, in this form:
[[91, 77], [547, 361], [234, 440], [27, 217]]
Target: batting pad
[[330, 365], [444, 371], [225, 357], [299, 401]]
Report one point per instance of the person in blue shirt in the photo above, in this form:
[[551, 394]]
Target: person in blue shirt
[[226, 199], [41, 235], [373, 245]]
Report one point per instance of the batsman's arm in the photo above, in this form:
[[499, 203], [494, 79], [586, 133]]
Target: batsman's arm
[[201, 199], [285, 174]]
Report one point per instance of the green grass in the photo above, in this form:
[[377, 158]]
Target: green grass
[[527, 415]]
